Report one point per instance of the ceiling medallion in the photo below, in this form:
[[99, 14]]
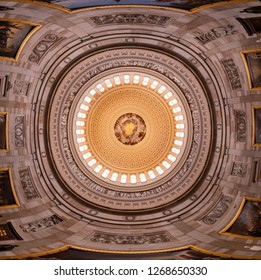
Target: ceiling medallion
[[130, 129]]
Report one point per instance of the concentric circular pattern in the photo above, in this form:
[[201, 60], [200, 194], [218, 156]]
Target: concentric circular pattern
[[130, 129], [88, 100], [156, 111]]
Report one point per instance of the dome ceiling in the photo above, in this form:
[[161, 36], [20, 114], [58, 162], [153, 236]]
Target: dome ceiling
[[130, 129]]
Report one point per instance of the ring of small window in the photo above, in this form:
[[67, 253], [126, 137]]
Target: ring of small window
[[145, 81]]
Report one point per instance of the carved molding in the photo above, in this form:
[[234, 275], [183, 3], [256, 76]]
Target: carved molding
[[152, 238], [41, 224], [232, 73], [218, 211], [129, 18], [239, 169], [43, 46], [215, 33], [28, 186], [19, 132], [241, 126]]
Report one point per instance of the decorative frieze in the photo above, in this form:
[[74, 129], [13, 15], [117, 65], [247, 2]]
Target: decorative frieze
[[218, 211], [240, 126], [27, 184], [21, 87], [44, 223], [130, 18], [239, 169], [130, 239], [43, 46], [216, 33], [19, 132], [232, 73]]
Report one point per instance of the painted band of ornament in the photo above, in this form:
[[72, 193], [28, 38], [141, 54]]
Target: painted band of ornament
[[121, 194], [129, 18], [43, 46], [152, 238], [218, 211]]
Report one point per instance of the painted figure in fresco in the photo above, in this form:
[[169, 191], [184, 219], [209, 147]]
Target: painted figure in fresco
[[6, 32], [249, 221]]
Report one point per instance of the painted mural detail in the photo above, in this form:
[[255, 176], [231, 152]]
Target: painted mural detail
[[7, 192], [218, 211], [3, 132], [253, 64], [240, 126], [44, 223], [43, 46], [153, 238], [19, 132], [248, 223], [130, 18], [215, 33], [232, 73], [21, 87], [12, 35], [239, 169], [130, 129], [27, 184]]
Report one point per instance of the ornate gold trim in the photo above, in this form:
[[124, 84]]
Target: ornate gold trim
[[224, 231], [13, 190], [197, 9], [254, 127], [191, 247], [6, 132], [243, 55], [27, 37]]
